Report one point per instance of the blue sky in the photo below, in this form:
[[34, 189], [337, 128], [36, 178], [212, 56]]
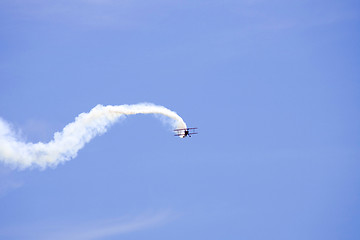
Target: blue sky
[[272, 85]]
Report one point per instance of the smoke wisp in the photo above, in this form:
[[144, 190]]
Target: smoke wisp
[[73, 137]]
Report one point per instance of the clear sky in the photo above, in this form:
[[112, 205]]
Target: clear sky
[[274, 87]]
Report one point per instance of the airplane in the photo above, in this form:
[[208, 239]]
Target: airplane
[[184, 132]]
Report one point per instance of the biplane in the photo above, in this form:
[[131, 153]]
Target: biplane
[[184, 132]]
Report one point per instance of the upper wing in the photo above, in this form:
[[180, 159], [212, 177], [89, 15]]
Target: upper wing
[[182, 129]]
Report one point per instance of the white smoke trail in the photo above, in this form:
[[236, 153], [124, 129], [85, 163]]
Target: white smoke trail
[[73, 137]]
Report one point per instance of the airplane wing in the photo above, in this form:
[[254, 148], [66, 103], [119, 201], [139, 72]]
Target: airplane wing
[[182, 129]]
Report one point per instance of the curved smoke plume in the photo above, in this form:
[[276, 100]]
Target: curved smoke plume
[[73, 137]]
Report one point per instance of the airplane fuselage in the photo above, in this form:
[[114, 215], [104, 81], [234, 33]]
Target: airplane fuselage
[[186, 133]]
